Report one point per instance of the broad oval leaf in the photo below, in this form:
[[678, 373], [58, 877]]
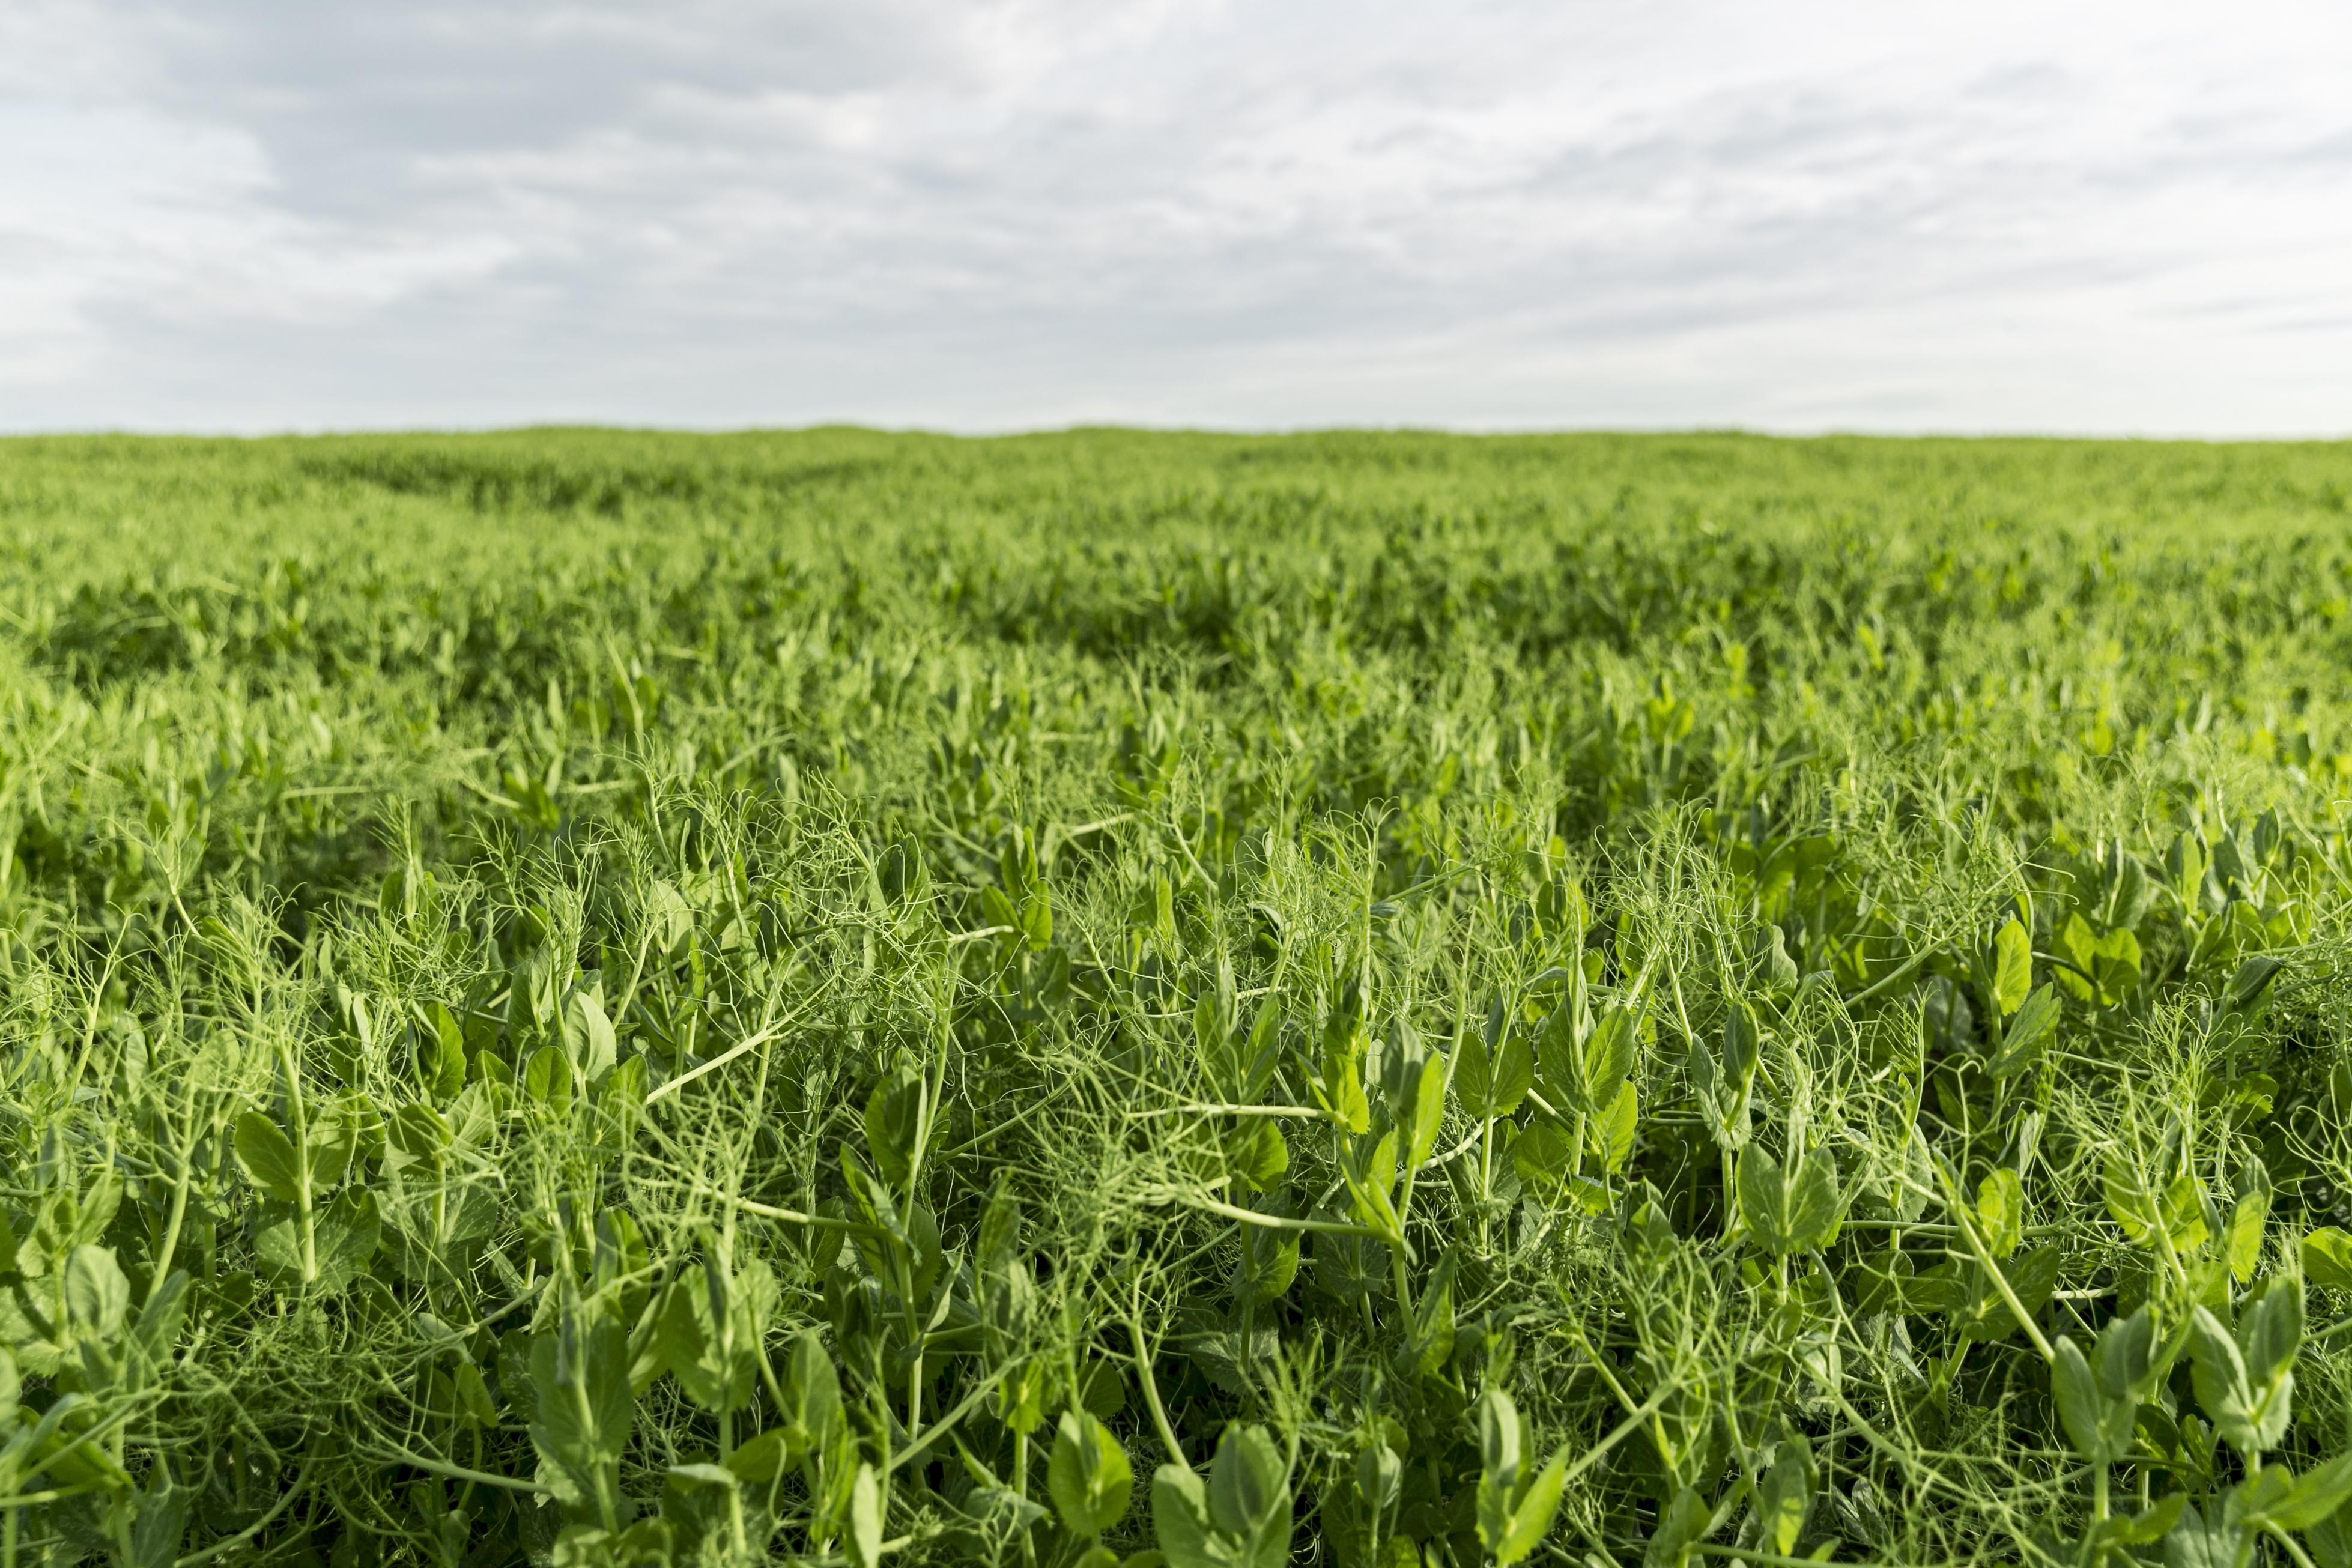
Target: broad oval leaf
[[268, 1159], [1088, 1475]]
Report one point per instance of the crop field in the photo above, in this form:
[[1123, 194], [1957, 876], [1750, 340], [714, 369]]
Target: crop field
[[1389, 1001]]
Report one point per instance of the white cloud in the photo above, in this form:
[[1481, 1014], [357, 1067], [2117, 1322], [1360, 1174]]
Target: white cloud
[[115, 209], [1640, 212]]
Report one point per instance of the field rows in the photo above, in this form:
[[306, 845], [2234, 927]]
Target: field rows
[[610, 1000]]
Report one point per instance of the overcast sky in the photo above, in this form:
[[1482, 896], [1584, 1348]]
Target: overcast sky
[[1804, 214]]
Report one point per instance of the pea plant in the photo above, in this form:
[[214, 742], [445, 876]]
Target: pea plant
[[1173, 1002]]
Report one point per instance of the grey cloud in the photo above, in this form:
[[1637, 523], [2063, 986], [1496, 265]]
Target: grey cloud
[[721, 212]]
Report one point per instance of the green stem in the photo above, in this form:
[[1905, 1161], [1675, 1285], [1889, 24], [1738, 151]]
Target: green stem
[[2284, 1539], [2094, 1550], [734, 1494], [1486, 1179], [170, 1243], [1152, 1389], [1730, 1194], [298, 1113]]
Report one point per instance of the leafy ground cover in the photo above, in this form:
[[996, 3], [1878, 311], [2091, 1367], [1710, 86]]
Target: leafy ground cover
[[1381, 1000]]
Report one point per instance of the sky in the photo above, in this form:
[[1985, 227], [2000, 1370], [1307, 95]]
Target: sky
[[993, 214]]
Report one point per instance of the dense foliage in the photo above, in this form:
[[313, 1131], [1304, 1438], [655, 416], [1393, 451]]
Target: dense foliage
[[1377, 1000]]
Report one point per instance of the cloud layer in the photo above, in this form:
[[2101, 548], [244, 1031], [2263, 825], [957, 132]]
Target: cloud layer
[[1014, 213]]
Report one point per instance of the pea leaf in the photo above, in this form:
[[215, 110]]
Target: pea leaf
[[2243, 1237], [1610, 1132], [2328, 1258], [2028, 1034], [1088, 1475], [2000, 1212], [2012, 968], [1786, 1496], [1791, 1208], [267, 1158], [893, 1117]]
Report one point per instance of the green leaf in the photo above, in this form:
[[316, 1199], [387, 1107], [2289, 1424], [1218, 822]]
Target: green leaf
[[1786, 1496], [866, 1506], [2125, 1361], [268, 1159], [1499, 1432], [1240, 1519], [588, 1036], [2190, 1544], [344, 1235], [1269, 1263], [1249, 1494], [582, 1407], [2251, 980], [893, 1124], [2129, 1203], [416, 1135], [2033, 1276], [2029, 1032], [1606, 1061], [1430, 1339], [1264, 1047], [1544, 1155], [1424, 1113], [712, 1326], [152, 1336], [2179, 1213], [348, 1230], [1088, 1475], [2242, 1237], [1473, 1077], [1339, 1085], [2331, 1540], [1609, 1134], [1491, 1080], [2147, 1526], [2117, 965], [1180, 1520], [159, 1516], [2012, 977], [2183, 1213], [2000, 1211], [1791, 1208], [547, 1079], [441, 1057], [1532, 1515], [1002, 1223], [333, 1139], [96, 1295], [2270, 1330], [2314, 1497], [1213, 1041], [2251, 1411], [2099, 1427], [1368, 1166], [2328, 1258], [2080, 1410], [811, 1393], [1682, 1524], [1724, 1085], [1256, 1155]]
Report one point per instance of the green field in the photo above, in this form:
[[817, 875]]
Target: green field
[[620, 999]]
